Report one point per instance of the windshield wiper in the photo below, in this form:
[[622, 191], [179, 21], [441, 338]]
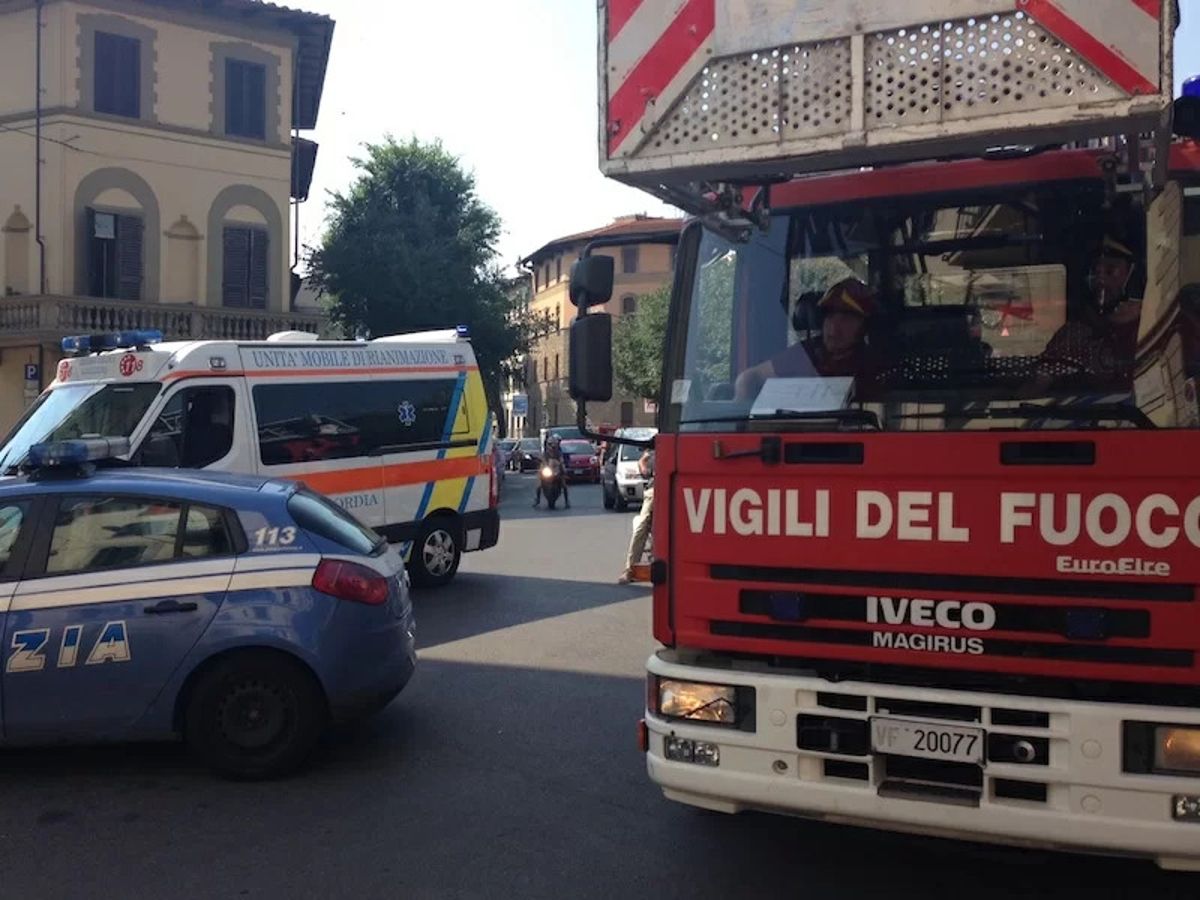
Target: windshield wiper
[[1100, 412], [841, 416]]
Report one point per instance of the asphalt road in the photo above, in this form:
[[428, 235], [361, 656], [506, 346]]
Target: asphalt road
[[508, 768]]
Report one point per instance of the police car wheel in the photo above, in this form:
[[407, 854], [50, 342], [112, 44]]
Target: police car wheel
[[255, 716], [435, 554]]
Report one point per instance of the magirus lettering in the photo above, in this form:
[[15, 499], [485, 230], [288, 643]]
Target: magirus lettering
[[928, 643]]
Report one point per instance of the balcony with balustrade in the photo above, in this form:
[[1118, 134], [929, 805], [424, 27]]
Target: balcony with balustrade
[[27, 320]]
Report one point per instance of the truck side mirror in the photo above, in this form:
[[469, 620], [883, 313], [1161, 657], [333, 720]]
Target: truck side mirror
[[591, 281], [590, 350]]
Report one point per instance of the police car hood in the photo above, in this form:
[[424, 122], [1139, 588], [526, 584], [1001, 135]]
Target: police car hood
[[1074, 554]]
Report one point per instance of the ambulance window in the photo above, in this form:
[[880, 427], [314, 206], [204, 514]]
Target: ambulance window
[[340, 420], [194, 430]]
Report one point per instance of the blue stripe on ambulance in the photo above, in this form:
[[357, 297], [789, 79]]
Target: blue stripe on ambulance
[[483, 442], [451, 418]]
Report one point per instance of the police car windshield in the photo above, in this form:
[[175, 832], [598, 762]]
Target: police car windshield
[[993, 308], [78, 411]]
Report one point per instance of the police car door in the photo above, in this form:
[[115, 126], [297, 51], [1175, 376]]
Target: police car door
[[121, 588]]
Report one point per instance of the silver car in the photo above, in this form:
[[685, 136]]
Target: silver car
[[620, 479]]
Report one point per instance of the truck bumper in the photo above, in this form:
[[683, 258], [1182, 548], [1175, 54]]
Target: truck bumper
[[1076, 798]]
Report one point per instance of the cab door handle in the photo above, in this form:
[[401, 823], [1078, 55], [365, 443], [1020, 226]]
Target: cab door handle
[[171, 606]]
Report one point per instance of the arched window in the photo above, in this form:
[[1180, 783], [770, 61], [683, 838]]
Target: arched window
[[246, 246], [117, 237]]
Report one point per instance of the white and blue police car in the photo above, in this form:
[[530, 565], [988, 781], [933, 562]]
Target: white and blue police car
[[240, 613]]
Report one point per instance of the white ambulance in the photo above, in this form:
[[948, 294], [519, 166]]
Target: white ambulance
[[396, 430]]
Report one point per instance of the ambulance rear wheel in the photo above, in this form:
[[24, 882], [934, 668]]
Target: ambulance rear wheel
[[436, 553], [254, 715]]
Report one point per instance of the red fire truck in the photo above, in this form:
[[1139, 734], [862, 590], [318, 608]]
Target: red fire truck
[[927, 515]]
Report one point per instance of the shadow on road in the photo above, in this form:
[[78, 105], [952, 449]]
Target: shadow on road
[[484, 781], [516, 502], [476, 604]]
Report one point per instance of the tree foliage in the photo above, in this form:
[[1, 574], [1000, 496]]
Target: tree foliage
[[411, 246], [638, 342]]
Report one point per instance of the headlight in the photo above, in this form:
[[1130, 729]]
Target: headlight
[[547, 472], [1177, 749], [1154, 749], [697, 701]]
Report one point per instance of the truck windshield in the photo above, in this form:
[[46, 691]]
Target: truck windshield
[[78, 411], [1016, 308]]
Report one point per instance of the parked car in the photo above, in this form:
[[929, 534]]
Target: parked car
[[239, 613], [528, 455], [621, 481], [581, 460]]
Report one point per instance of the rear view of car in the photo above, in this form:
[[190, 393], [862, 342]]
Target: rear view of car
[[528, 455], [238, 613]]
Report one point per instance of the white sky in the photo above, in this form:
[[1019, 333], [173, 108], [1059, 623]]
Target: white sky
[[510, 87]]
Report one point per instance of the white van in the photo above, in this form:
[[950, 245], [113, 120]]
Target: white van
[[396, 430]]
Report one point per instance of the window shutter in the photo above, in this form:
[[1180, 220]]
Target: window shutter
[[258, 269], [93, 269], [235, 114], [129, 258], [256, 101], [130, 78], [104, 78], [235, 278]]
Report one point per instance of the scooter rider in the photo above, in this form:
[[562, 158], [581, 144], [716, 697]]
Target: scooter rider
[[553, 450]]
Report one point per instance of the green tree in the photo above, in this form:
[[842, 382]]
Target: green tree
[[638, 342], [411, 246]]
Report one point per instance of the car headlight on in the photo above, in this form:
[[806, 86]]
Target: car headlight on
[[547, 472], [1177, 749], [697, 701]]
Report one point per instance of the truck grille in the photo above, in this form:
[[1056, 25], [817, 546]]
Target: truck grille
[[835, 729], [1073, 621]]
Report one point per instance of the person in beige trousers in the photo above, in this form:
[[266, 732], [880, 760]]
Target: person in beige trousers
[[641, 524]]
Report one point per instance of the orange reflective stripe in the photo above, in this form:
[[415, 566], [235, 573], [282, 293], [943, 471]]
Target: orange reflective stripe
[[371, 478]]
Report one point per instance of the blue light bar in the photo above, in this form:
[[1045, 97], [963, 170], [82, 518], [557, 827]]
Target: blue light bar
[[111, 340], [76, 453], [462, 331], [1191, 87]]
